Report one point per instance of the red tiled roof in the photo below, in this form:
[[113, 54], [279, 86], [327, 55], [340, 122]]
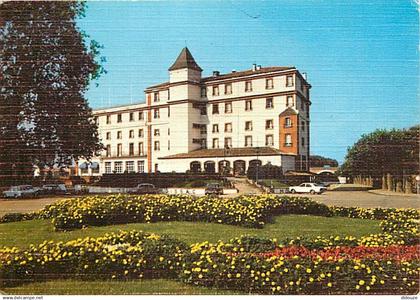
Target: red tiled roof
[[233, 152], [246, 73]]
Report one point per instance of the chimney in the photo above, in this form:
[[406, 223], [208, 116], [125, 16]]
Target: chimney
[[233, 71], [305, 76], [216, 73], [254, 67], [258, 67]]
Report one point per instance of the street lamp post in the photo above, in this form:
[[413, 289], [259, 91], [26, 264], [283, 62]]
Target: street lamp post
[[258, 165]]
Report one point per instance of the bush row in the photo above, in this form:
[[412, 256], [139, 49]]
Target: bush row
[[247, 264]]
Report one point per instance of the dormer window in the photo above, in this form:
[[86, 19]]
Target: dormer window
[[248, 86], [156, 97], [228, 88], [269, 83], [215, 90]]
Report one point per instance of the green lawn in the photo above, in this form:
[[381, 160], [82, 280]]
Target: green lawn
[[21, 234], [132, 287]]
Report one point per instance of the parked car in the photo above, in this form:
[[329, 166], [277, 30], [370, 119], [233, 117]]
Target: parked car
[[308, 187], [54, 189], [144, 188], [213, 189], [22, 191]]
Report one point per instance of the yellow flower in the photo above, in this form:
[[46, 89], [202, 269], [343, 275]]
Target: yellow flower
[[311, 279], [361, 282], [329, 284], [308, 271]]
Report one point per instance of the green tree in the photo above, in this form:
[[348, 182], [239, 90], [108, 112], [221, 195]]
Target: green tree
[[320, 161], [47, 65], [381, 152]]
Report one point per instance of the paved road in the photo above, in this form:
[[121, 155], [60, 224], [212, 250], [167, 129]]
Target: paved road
[[361, 199], [366, 199], [24, 205]]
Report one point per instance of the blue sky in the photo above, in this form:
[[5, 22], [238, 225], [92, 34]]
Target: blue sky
[[361, 57]]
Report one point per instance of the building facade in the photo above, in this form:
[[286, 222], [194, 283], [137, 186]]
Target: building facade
[[223, 122]]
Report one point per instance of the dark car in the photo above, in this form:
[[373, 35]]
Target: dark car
[[54, 189], [144, 188], [213, 189]]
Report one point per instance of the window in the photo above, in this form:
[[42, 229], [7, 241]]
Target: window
[[140, 166], [307, 110], [141, 149], [131, 134], [203, 91], [248, 125], [289, 101], [289, 80], [228, 127], [156, 167], [215, 109], [129, 166], [169, 131], [303, 142], [169, 111], [228, 88], [248, 105], [302, 125], [156, 97], [215, 128], [287, 122], [228, 142], [215, 90], [141, 133], [228, 107], [119, 135], [156, 114], [141, 116], [215, 143], [248, 141], [157, 146], [119, 118], [118, 167], [169, 145], [269, 103], [269, 83], [269, 140], [96, 120], [119, 150], [108, 150], [108, 119], [288, 140], [269, 124], [131, 149], [248, 86], [156, 132], [108, 135], [131, 117], [203, 111], [108, 169]]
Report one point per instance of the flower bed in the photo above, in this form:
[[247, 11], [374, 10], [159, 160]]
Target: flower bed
[[124, 255], [298, 270], [253, 211]]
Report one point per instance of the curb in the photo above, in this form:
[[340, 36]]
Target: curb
[[386, 193]]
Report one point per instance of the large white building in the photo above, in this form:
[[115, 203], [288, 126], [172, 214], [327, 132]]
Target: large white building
[[215, 123]]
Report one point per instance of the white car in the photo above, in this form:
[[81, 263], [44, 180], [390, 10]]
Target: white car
[[21, 191], [308, 187]]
